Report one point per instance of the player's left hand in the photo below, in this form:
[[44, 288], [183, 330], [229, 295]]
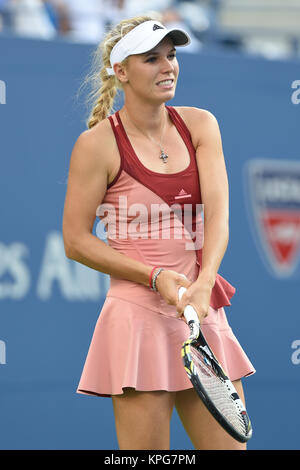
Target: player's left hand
[[198, 295]]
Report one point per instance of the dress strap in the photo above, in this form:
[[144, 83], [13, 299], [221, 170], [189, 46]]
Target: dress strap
[[120, 143], [182, 129]]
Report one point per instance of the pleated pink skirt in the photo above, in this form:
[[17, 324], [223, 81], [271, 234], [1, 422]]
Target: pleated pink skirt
[[135, 346]]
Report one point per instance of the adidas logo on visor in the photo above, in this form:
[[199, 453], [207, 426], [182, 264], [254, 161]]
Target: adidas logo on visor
[[155, 27]]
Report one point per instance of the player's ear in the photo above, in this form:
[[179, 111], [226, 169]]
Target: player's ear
[[121, 72]]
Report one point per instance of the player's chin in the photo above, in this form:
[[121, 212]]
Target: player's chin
[[165, 95]]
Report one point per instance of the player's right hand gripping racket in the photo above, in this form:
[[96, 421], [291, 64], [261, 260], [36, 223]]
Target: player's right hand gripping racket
[[211, 382]]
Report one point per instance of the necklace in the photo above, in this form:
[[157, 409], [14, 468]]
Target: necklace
[[163, 155]]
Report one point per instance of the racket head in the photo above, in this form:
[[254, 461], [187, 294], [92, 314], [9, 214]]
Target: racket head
[[215, 388]]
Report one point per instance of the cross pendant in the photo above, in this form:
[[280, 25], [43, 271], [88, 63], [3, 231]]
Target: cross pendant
[[163, 156]]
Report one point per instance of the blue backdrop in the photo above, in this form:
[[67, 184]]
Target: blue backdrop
[[49, 304]]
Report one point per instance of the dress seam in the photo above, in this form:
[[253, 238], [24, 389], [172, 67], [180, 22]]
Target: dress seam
[[131, 302]]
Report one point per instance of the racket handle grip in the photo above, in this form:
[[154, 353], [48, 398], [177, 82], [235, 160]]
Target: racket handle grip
[[190, 315]]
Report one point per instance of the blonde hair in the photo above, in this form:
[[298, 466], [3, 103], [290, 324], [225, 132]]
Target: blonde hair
[[104, 87]]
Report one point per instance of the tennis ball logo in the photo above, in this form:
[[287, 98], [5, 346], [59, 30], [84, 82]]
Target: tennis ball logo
[[2, 92], [295, 98]]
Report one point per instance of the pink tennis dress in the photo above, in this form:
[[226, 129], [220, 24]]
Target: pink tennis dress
[[156, 219]]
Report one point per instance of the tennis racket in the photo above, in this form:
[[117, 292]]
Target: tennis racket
[[211, 382]]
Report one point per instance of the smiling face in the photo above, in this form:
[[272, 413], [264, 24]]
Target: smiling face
[[152, 75]]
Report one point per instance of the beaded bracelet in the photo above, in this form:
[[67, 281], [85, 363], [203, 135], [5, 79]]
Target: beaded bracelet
[[154, 279], [151, 274]]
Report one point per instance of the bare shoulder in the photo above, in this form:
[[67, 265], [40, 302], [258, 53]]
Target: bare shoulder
[[201, 123], [191, 114], [87, 179], [93, 149]]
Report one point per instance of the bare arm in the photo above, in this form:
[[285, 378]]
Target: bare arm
[[87, 182], [206, 138], [215, 194]]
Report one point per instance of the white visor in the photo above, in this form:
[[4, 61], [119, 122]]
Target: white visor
[[143, 38]]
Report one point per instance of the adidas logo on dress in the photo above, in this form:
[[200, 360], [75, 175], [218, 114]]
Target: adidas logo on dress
[[182, 194]]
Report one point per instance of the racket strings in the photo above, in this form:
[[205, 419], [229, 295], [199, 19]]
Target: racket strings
[[217, 390]]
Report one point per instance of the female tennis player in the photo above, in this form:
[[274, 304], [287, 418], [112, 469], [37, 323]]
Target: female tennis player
[[131, 168]]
